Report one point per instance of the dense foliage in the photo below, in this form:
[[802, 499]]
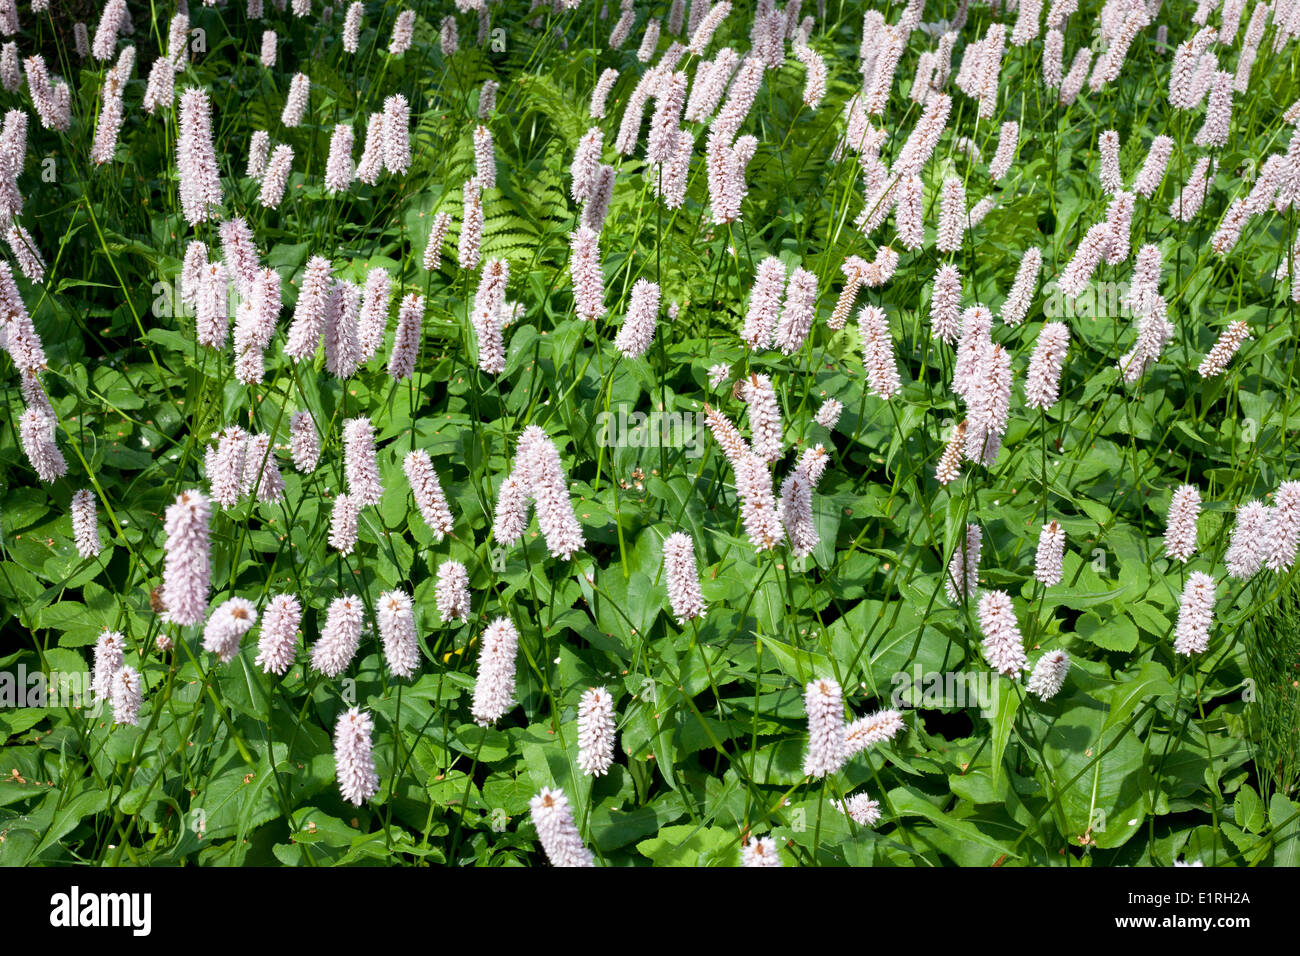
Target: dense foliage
[[1145, 756]]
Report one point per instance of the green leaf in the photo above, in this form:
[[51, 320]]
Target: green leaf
[[1003, 721], [1116, 633], [689, 845], [1284, 818], [802, 665], [66, 817], [908, 801], [1248, 809], [1151, 680]]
